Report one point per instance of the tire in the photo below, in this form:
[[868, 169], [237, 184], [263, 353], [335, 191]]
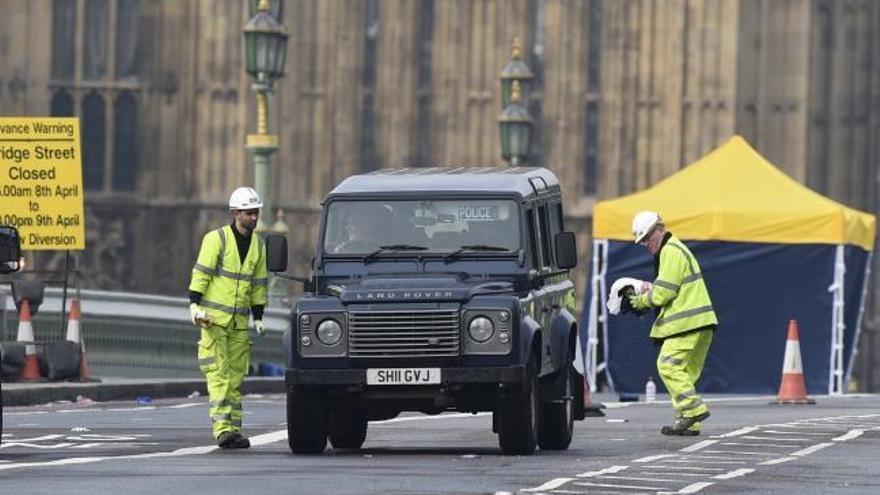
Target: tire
[[306, 422], [518, 418], [557, 419], [348, 428]]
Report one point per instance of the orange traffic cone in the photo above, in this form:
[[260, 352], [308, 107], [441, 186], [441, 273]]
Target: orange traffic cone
[[792, 390], [75, 335], [31, 370]]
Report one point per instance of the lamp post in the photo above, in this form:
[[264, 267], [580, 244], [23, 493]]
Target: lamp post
[[265, 50], [515, 70], [515, 125]]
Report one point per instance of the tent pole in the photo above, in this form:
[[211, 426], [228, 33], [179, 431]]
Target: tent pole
[[864, 297], [835, 378]]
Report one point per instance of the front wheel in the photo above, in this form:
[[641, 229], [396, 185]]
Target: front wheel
[[306, 422], [517, 418], [557, 417], [348, 428]]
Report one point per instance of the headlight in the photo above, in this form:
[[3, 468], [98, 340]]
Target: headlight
[[329, 332], [481, 329]]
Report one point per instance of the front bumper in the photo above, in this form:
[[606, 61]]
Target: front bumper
[[449, 377]]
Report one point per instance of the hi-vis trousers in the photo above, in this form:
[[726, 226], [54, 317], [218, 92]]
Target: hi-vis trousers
[[680, 365], [224, 357]]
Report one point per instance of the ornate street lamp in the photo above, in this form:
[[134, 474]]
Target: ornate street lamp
[[515, 70], [276, 8], [265, 51], [515, 125]]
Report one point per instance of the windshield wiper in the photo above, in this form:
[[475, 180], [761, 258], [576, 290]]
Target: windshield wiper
[[393, 247], [472, 247]]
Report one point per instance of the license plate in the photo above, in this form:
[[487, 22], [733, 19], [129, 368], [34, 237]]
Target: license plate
[[403, 376]]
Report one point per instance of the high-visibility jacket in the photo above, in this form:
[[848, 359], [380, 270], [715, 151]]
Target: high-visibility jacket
[[679, 291], [228, 286]]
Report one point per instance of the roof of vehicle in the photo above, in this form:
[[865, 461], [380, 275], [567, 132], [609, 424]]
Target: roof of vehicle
[[452, 179]]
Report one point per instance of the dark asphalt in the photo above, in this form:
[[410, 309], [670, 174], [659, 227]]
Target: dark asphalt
[[165, 446]]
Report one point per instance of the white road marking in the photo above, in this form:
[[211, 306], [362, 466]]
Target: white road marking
[[257, 440], [739, 452], [777, 432], [734, 474], [699, 445], [736, 433], [636, 478], [631, 487], [184, 406], [695, 487], [759, 445], [687, 468], [780, 460], [610, 470], [550, 485], [139, 408], [655, 457], [849, 436], [776, 439], [811, 449], [421, 418], [30, 445], [701, 461]]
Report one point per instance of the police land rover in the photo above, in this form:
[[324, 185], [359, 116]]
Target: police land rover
[[436, 290]]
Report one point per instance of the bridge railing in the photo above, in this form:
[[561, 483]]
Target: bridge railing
[[136, 335]]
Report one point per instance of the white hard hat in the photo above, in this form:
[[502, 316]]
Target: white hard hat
[[643, 222], [245, 198]]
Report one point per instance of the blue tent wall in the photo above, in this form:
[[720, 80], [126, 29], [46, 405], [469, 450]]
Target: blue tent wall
[[756, 288]]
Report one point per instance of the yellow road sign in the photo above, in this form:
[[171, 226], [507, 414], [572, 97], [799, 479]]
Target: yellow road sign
[[41, 189]]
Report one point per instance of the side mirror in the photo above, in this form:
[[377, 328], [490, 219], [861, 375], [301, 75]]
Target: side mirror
[[10, 250], [566, 250], [276, 253]]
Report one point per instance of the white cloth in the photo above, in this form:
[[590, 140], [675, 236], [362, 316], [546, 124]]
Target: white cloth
[[614, 300]]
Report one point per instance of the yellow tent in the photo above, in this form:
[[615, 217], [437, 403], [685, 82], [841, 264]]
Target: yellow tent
[[735, 194]]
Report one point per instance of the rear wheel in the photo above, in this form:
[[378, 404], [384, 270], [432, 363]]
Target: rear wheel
[[517, 417], [306, 422], [557, 418], [348, 428]]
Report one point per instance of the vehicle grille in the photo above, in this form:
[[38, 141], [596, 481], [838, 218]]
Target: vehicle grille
[[403, 333]]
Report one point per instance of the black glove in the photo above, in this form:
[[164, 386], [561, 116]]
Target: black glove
[[625, 306], [624, 294]]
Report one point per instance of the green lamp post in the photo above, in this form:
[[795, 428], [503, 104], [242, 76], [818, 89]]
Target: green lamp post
[[515, 70], [265, 51], [515, 125]]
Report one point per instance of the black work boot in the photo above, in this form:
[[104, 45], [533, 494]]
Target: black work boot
[[681, 426], [226, 440], [240, 441]]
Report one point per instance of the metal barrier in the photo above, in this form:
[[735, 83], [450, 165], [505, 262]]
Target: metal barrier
[[136, 335]]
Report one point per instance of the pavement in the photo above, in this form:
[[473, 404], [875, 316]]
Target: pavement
[[122, 389]]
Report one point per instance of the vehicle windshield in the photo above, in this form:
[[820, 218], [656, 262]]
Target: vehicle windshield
[[361, 227]]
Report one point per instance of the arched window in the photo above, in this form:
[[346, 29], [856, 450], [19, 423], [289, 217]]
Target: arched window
[[125, 142], [93, 141], [61, 104], [96, 58]]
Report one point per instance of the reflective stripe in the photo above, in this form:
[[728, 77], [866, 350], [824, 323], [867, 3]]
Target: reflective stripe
[[236, 422], [666, 285], [671, 360], [263, 282], [235, 276], [220, 417], [208, 360], [225, 403], [683, 314], [225, 308], [691, 278], [684, 395], [222, 247], [204, 269], [693, 405]]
